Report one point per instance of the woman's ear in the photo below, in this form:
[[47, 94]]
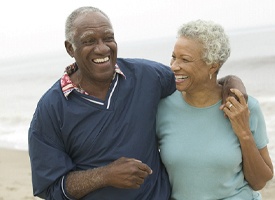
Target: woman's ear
[[214, 68], [69, 48]]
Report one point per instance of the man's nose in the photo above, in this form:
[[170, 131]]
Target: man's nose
[[101, 47]]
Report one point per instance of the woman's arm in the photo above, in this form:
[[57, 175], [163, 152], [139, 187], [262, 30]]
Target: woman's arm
[[257, 165]]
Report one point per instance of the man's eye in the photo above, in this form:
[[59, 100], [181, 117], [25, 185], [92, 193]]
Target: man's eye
[[109, 39], [90, 41]]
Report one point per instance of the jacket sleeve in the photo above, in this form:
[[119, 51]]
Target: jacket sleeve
[[167, 80], [49, 161]]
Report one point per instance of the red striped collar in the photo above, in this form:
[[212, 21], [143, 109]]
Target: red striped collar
[[68, 86]]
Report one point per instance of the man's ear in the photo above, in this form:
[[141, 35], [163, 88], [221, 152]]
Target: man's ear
[[69, 48]]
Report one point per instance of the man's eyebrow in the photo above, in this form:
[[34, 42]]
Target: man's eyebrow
[[86, 34], [92, 33], [109, 31]]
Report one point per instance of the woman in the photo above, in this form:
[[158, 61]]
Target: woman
[[210, 156]]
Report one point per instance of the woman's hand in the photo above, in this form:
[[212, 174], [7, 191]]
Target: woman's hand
[[238, 113]]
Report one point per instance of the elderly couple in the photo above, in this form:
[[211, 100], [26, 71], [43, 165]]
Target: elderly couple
[[114, 128]]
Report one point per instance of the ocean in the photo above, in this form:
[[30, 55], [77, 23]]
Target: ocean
[[24, 80]]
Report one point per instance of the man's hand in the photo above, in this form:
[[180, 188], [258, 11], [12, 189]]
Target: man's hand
[[122, 173], [228, 83], [127, 173]]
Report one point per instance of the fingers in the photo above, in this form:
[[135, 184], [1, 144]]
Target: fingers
[[239, 95], [235, 94], [231, 106], [235, 109], [143, 166], [226, 94], [128, 173], [233, 102], [140, 173]]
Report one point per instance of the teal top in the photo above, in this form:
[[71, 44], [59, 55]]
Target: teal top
[[201, 152]]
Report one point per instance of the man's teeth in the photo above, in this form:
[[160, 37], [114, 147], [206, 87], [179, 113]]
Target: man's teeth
[[181, 77], [101, 60]]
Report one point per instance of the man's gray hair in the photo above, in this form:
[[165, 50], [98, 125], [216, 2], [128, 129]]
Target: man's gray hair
[[69, 27], [213, 38]]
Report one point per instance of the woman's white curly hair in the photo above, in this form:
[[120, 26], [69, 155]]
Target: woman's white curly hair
[[211, 36]]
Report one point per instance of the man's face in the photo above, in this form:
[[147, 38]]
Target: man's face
[[95, 49]]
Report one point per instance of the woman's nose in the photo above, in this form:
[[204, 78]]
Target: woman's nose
[[175, 66]]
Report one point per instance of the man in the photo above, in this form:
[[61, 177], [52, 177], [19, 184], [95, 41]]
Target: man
[[93, 132]]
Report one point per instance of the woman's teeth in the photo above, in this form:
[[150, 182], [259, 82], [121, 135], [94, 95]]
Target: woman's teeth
[[181, 77]]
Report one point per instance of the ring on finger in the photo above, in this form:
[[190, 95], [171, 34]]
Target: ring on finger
[[230, 105]]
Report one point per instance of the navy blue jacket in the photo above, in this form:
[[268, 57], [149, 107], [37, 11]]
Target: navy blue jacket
[[77, 134]]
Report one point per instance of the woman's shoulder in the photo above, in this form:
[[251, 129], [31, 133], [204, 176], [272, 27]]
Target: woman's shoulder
[[172, 100], [252, 102]]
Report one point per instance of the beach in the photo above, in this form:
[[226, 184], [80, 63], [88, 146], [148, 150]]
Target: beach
[[15, 177], [25, 81]]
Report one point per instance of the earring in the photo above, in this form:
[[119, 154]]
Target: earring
[[210, 76]]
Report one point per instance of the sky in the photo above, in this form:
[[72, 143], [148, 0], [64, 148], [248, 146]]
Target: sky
[[32, 27]]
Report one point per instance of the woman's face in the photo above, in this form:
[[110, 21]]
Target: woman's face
[[191, 72]]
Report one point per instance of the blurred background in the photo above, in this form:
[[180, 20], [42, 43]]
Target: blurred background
[[33, 56]]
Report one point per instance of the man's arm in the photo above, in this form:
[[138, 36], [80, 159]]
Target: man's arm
[[229, 82], [122, 173]]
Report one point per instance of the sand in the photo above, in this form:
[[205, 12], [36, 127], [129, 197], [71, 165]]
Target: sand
[[16, 184], [15, 175]]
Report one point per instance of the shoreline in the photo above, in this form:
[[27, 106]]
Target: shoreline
[[16, 173]]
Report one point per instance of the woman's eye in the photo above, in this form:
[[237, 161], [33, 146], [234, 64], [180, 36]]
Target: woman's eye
[[185, 60], [173, 58]]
